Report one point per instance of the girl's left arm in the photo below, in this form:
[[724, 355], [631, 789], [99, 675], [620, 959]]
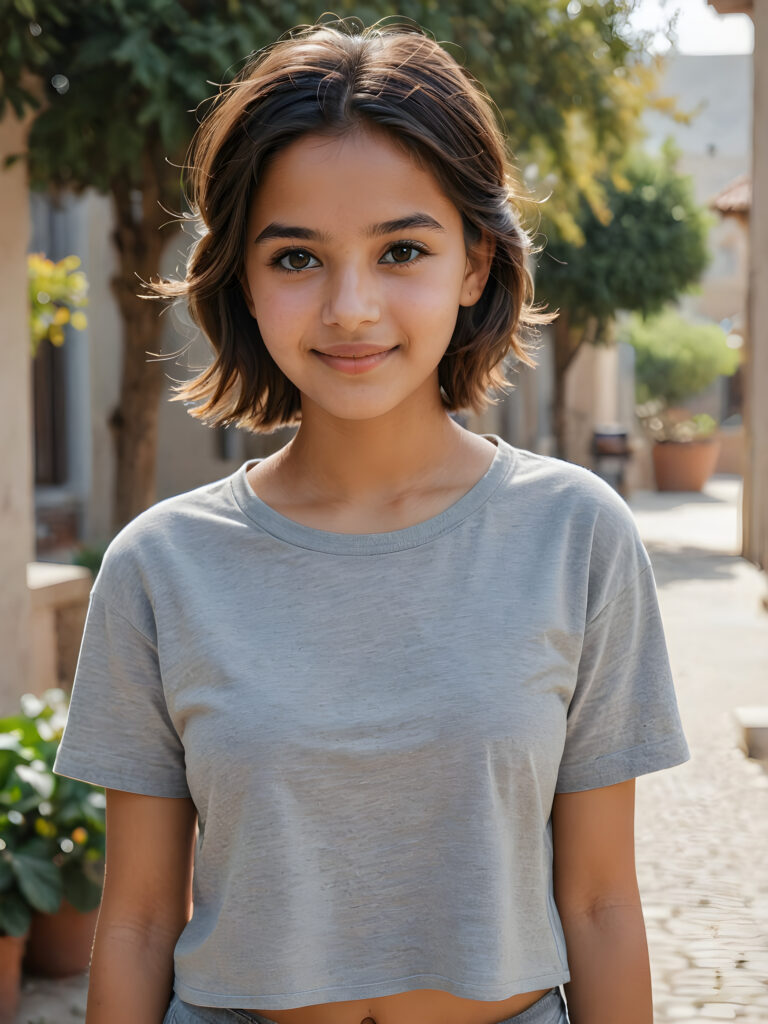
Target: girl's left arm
[[598, 900]]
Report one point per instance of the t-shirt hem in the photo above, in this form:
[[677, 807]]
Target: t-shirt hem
[[624, 764], [340, 993], [112, 778]]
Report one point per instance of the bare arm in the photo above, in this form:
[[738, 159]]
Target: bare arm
[[145, 905], [598, 901]]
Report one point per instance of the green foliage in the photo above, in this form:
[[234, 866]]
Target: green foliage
[[675, 358], [120, 76], [663, 424], [52, 829], [55, 289], [123, 80], [653, 248], [89, 556], [27, 48]]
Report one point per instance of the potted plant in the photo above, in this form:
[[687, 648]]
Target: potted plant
[[676, 359], [29, 880], [52, 843]]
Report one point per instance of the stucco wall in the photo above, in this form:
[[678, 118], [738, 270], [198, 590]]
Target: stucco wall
[[16, 502], [756, 483]]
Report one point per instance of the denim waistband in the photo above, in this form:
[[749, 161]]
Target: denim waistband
[[549, 1009]]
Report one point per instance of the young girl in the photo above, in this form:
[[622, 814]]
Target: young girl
[[401, 675]]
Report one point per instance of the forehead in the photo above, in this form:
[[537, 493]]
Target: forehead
[[346, 183]]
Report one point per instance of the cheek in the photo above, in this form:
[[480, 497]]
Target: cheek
[[280, 309], [428, 299]]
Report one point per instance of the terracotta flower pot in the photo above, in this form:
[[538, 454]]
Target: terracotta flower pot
[[11, 954], [684, 465], [60, 944]]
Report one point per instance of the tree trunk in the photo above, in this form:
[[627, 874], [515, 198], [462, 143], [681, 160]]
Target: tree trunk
[[134, 420], [558, 391], [568, 340]]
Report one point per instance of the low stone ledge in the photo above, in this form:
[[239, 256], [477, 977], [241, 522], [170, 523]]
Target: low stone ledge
[[58, 597], [53, 583], [752, 721]]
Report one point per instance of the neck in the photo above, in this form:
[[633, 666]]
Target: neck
[[367, 461]]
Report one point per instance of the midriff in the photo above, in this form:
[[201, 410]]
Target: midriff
[[420, 1006]]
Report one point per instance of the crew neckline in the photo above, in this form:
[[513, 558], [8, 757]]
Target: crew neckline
[[303, 536]]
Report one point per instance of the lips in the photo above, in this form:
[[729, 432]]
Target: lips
[[359, 351], [362, 355], [355, 364]]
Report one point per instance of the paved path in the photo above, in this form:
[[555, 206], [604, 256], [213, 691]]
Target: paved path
[[702, 827]]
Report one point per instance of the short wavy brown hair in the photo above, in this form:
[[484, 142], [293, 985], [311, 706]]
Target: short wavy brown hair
[[326, 79]]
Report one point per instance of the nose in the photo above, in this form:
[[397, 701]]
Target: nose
[[351, 300]]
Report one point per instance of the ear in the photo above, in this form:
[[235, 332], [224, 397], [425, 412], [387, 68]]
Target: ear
[[479, 260], [245, 288]]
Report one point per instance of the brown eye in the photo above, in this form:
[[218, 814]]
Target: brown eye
[[298, 260], [401, 250]]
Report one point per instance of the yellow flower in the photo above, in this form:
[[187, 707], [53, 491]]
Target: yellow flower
[[61, 315], [56, 336], [79, 835], [79, 321]]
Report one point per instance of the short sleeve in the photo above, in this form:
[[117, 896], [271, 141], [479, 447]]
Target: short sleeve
[[623, 718], [118, 732]]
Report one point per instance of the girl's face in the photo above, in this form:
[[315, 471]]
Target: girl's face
[[352, 246]]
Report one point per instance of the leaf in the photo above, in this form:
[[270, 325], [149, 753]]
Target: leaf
[[6, 874], [15, 915], [9, 758], [13, 51], [79, 890], [41, 781], [25, 8], [58, 16], [39, 881]]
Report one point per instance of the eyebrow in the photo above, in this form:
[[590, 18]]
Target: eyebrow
[[388, 227]]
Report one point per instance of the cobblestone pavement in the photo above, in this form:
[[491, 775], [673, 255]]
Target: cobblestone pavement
[[701, 827]]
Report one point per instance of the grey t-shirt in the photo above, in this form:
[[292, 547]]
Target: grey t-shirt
[[373, 726]]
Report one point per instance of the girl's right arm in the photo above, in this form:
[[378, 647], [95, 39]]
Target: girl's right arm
[[146, 902]]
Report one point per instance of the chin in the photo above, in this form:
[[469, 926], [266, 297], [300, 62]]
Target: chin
[[360, 415]]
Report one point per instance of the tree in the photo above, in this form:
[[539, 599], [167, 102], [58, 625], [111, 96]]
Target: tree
[[123, 79], [653, 248]]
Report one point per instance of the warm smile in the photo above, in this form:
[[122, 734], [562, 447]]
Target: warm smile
[[351, 364]]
